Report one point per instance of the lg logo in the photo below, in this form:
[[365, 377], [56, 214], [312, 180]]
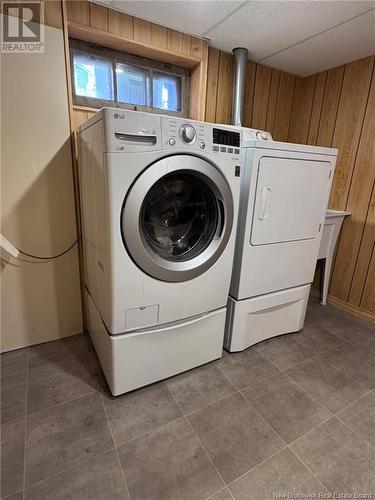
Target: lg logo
[[22, 27]]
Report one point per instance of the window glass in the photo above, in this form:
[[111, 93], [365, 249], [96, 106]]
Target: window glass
[[105, 77], [93, 76], [166, 92], [132, 84]]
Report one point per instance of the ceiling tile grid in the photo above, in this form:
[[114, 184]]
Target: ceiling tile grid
[[192, 17], [302, 37], [345, 43]]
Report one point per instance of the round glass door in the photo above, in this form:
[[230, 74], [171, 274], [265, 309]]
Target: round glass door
[[177, 218]]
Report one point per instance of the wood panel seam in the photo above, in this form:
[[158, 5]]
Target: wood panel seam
[[268, 100], [360, 135], [358, 254], [367, 273], [344, 289], [312, 104], [338, 104], [253, 94], [254, 87], [321, 107], [291, 109], [277, 104], [333, 135], [217, 80], [350, 185]]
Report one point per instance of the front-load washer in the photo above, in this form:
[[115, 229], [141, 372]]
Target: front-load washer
[[284, 194], [159, 204]]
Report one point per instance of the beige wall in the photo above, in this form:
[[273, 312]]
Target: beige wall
[[39, 301]]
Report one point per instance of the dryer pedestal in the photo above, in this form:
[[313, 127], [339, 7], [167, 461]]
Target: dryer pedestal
[[139, 358], [250, 321]]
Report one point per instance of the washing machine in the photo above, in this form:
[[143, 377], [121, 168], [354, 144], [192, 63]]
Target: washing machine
[[159, 204], [284, 194]]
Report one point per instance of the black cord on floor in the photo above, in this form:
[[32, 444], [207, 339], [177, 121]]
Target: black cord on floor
[[50, 257]]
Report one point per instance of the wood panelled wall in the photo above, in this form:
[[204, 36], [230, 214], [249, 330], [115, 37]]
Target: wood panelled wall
[[335, 108], [268, 98]]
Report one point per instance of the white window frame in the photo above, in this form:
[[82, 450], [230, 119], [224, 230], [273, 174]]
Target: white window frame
[[141, 62]]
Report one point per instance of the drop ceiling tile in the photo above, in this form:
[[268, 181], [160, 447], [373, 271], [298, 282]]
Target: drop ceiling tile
[[194, 17], [266, 27], [347, 42]]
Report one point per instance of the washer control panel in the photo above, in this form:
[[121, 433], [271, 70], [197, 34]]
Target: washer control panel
[[226, 141], [200, 136]]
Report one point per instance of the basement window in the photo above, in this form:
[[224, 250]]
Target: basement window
[[105, 77]]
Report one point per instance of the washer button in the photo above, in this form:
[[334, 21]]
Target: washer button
[[215, 148], [171, 141], [230, 150], [223, 150], [202, 145], [236, 151]]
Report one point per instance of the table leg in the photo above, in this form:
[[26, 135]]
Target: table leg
[[324, 285]]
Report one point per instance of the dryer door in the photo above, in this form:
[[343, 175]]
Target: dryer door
[[177, 218], [290, 200]]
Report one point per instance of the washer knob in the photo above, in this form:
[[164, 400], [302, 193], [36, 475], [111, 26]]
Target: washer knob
[[187, 133]]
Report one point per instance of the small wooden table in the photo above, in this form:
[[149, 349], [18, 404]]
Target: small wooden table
[[331, 231]]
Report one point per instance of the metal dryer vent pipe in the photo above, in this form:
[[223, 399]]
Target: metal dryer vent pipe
[[240, 62]]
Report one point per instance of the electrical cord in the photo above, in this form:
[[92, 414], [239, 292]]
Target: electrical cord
[[50, 257]]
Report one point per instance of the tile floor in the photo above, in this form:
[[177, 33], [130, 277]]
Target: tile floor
[[293, 414]]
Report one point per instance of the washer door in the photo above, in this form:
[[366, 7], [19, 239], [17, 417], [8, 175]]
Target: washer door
[[177, 218]]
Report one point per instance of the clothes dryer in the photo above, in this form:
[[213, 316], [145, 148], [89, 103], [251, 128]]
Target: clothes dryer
[[284, 194]]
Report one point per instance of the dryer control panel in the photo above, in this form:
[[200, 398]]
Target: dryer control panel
[[200, 136], [254, 134]]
